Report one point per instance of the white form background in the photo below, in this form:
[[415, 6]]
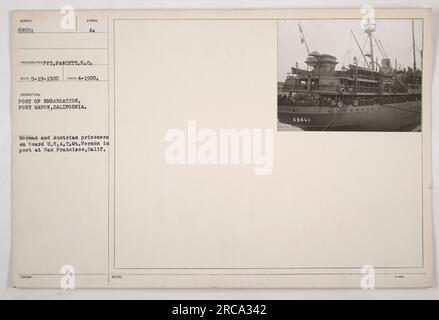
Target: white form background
[[6, 292]]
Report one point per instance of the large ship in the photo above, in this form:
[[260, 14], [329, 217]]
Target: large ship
[[373, 97]]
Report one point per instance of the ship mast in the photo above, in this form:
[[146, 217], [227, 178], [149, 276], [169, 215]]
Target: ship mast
[[369, 28]]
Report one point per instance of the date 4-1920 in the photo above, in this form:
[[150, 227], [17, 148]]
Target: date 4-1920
[[220, 309]]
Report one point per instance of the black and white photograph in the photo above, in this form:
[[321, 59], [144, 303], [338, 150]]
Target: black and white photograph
[[350, 75]]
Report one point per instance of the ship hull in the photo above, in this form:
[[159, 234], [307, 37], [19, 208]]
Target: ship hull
[[404, 116]]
